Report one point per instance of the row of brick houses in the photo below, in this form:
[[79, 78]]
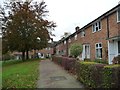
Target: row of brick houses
[[100, 38]]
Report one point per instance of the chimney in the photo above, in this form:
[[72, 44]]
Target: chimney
[[77, 28]]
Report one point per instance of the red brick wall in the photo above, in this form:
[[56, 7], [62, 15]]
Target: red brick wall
[[113, 25], [97, 37]]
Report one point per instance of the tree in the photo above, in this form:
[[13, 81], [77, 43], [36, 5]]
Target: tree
[[25, 26], [76, 49]]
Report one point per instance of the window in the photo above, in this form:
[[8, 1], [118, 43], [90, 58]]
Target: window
[[97, 26], [69, 40], [64, 42], [98, 50], [118, 15], [76, 37], [82, 33]]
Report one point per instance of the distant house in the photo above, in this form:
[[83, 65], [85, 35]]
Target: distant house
[[100, 38], [46, 52]]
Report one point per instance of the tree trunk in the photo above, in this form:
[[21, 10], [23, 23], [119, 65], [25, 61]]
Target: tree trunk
[[23, 55], [27, 55]]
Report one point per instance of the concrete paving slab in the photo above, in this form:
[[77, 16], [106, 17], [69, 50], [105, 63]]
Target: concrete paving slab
[[54, 76]]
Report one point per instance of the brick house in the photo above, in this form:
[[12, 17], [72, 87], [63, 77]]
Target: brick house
[[46, 52], [100, 38]]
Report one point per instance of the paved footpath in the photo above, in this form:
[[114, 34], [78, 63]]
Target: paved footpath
[[54, 76]]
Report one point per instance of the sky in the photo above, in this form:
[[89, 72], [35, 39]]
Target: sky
[[67, 14]]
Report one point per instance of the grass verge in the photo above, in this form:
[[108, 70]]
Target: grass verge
[[18, 74]]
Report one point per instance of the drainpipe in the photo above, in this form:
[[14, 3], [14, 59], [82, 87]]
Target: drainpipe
[[108, 27], [108, 32], [67, 47]]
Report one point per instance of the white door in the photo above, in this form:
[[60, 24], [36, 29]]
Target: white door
[[112, 50], [87, 51]]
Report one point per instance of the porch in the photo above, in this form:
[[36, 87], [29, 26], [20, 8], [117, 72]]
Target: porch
[[113, 48]]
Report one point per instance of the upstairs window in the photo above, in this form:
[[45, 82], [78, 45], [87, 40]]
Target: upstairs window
[[97, 26], [69, 40], [64, 42], [118, 15]]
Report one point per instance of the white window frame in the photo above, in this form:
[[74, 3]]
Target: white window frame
[[64, 42], [118, 19], [96, 50], [97, 25], [76, 37], [69, 40]]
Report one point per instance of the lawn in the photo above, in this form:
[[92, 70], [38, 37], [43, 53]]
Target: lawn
[[18, 74]]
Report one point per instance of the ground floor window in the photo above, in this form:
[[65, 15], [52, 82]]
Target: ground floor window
[[98, 48]]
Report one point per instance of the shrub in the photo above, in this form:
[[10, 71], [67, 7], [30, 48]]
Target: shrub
[[92, 74], [101, 61], [7, 56], [96, 75], [111, 76], [67, 63], [75, 49], [116, 60], [89, 73]]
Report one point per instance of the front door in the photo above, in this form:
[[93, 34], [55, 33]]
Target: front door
[[113, 49], [87, 51]]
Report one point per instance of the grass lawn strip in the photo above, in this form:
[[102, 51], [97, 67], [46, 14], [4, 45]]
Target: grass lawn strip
[[20, 75]]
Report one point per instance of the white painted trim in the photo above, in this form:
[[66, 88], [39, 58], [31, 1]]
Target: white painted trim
[[98, 26], [83, 52], [117, 18], [97, 48], [112, 50]]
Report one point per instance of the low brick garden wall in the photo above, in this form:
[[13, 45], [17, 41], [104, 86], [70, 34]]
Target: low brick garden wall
[[91, 74]]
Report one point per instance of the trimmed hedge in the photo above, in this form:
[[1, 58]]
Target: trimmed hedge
[[91, 74], [95, 75], [111, 76], [67, 63]]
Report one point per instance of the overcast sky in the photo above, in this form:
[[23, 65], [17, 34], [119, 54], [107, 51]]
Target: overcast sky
[[71, 13]]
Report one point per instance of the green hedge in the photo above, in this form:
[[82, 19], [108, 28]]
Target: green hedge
[[66, 62], [95, 75], [92, 74], [111, 76]]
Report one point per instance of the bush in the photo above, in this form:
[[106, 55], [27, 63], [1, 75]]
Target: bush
[[111, 76], [101, 61], [7, 56], [76, 49], [67, 63], [116, 60], [89, 73], [92, 74], [95, 75]]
